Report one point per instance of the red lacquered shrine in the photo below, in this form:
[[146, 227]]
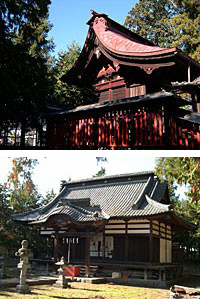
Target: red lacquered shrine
[[138, 105]]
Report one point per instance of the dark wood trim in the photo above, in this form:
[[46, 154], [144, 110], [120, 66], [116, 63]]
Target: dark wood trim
[[122, 235]]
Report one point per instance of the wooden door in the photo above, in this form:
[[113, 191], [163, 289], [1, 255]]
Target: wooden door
[[119, 248], [138, 248], [78, 250]]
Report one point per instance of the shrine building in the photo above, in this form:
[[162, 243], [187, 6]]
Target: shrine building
[[138, 87], [121, 223]]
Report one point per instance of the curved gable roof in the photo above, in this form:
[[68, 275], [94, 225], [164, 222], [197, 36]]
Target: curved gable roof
[[108, 42], [122, 44]]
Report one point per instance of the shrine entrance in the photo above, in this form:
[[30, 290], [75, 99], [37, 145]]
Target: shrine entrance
[[73, 248]]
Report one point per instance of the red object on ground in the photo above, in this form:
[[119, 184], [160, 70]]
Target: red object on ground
[[72, 271]]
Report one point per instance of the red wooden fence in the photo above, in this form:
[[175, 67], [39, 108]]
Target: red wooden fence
[[146, 127]]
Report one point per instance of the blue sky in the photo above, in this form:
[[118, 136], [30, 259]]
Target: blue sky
[[69, 18], [62, 165]]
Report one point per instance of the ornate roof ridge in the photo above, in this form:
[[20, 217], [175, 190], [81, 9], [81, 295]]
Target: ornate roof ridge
[[124, 175]]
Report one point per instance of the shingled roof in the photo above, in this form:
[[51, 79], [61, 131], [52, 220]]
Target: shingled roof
[[129, 195]]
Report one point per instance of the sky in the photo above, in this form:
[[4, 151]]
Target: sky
[[69, 18], [62, 165], [55, 166]]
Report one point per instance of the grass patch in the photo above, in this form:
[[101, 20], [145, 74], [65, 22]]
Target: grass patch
[[84, 291]]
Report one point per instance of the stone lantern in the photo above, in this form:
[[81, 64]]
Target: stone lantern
[[61, 282], [23, 265]]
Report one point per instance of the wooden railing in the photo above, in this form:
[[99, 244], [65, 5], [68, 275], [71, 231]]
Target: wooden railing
[[184, 135], [127, 127]]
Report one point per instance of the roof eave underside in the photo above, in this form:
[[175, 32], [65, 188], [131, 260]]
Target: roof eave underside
[[156, 98]]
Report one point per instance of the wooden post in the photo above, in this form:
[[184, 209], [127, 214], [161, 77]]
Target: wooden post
[[87, 256], [126, 242], [69, 250], [145, 274], [150, 244], [56, 241], [189, 75], [194, 102], [104, 246], [39, 253]]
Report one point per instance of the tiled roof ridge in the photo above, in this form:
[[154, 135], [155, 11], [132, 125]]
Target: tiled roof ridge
[[132, 174], [82, 210]]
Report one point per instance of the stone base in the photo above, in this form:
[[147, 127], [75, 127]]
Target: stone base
[[23, 289], [61, 286], [61, 282]]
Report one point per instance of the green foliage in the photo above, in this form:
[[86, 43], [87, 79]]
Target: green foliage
[[50, 195], [24, 50], [18, 195], [187, 27], [5, 211], [100, 173], [69, 95], [181, 170], [184, 170], [168, 23], [151, 19], [189, 240], [23, 192]]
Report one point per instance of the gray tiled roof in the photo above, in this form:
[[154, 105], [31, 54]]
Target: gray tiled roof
[[75, 213], [130, 195]]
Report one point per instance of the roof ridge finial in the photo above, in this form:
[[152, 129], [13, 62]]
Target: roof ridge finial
[[94, 13]]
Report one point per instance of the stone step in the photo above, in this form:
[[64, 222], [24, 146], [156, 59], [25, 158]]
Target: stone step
[[92, 270]]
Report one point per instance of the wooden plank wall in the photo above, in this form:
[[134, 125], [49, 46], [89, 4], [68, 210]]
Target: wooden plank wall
[[164, 232], [133, 227]]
